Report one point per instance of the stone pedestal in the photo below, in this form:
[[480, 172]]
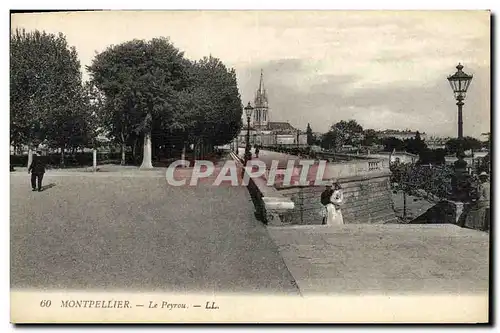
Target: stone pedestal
[[460, 181]]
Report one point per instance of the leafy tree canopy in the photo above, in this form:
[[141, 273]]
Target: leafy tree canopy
[[141, 81], [467, 143], [45, 90], [343, 133]]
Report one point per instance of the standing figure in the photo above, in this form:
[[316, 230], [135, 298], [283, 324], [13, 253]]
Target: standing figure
[[37, 169], [332, 197], [484, 201], [257, 150], [478, 216]]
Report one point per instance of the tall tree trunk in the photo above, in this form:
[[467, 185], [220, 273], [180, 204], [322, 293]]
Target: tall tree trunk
[[183, 154], [202, 149], [200, 152], [124, 146], [195, 149], [146, 158], [404, 204], [94, 159], [62, 156], [30, 155], [134, 149]]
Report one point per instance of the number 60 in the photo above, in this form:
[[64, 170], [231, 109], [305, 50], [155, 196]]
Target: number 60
[[45, 303]]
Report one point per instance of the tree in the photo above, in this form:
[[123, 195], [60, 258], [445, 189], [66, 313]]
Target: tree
[[343, 133], [467, 143], [412, 179], [392, 143], [432, 156], [349, 132], [370, 137], [415, 145], [331, 140], [309, 134], [45, 85], [141, 81], [211, 105]]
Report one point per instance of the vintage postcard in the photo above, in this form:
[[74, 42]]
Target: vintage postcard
[[250, 166]]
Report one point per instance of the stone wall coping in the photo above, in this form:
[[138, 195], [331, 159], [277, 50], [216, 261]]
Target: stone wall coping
[[270, 195], [352, 157], [350, 179], [274, 203]]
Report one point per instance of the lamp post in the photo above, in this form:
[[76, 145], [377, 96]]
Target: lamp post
[[298, 134], [248, 113], [460, 82]]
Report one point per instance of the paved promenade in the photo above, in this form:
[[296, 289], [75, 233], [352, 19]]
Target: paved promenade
[[385, 259], [269, 156], [117, 230]]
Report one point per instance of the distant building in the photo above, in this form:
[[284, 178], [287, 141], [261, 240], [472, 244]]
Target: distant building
[[263, 131], [396, 157], [400, 134], [435, 142]]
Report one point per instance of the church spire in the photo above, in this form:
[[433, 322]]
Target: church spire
[[261, 94], [261, 83], [261, 116]]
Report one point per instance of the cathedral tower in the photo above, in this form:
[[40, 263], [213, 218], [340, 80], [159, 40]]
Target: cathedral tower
[[261, 106]]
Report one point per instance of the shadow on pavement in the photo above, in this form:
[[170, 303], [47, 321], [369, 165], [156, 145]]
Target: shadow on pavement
[[49, 186]]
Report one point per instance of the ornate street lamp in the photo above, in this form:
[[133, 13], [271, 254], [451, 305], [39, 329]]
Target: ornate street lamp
[[460, 82], [248, 113]]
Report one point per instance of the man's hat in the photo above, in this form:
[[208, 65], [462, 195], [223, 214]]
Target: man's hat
[[483, 174]]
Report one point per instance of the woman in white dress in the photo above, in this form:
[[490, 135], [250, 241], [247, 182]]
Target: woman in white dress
[[332, 198]]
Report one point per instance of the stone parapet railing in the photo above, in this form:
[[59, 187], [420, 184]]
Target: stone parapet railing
[[355, 165], [338, 170], [271, 206]]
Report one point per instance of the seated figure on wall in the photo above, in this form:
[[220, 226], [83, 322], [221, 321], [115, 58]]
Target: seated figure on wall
[[332, 198]]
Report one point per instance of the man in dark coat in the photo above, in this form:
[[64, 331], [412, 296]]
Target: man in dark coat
[[37, 169], [327, 193]]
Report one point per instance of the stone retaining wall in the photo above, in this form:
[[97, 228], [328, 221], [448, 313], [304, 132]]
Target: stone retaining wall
[[367, 200]]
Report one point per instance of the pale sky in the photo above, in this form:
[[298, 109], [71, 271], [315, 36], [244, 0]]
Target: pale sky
[[384, 69]]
